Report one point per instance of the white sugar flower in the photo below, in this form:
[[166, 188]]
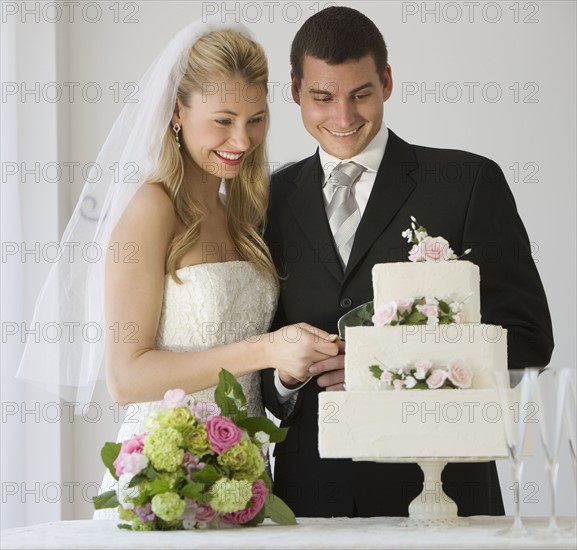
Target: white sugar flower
[[410, 382]]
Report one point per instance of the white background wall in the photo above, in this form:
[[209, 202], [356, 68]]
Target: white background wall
[[494, 78]]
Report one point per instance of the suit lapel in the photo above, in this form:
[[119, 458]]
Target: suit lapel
[[308, 208], [393, 186]]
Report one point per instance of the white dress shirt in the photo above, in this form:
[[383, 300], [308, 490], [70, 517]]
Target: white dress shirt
[[370, 158]]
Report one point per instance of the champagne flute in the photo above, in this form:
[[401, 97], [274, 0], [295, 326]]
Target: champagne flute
[[571, 429], [513, 404], [549, 392]]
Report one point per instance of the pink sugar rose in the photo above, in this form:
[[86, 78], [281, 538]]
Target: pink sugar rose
[[417, 253], [459, 374], [398, 384], [424, 365], [436, 249], [174, 398], [205, 411], [457, 318], [134, 445], [436, 379], [222, 433], [404, 305], [259, 493], [430, 310], [386, 377], [384, 314]]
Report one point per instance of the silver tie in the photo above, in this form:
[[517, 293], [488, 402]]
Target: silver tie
[[343, 211]]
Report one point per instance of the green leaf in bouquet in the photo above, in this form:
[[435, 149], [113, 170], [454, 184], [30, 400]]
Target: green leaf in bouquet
[[208, 475], [376, 370], [229, 396], [105, 500], [193, 490], [147, 474], [109, 453], [155, 487], [276, 509], [262, 424], [361, 316]]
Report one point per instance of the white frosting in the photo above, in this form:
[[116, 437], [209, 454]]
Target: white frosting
[[481, 348], [391, 425], [455, 280]]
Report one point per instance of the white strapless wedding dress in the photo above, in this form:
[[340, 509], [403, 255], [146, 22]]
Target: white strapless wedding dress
[[217, 303]]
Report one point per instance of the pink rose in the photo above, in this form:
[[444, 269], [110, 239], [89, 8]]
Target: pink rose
[[398, 384], [222, 433], [259, 493], [174, 398], [384, 314], [386, 376], [436, 249], [132, 463], [459, 374], [197, 511], [205, 411], [423, 364], [417, 253], [404, 305], [436, 379], [134, 445]]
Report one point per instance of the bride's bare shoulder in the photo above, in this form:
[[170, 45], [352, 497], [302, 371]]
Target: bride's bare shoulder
[[149, 210]]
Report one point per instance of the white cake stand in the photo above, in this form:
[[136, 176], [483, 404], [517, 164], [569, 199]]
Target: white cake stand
[[432, 506]]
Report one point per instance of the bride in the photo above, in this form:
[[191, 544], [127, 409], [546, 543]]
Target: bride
[[189, 284]]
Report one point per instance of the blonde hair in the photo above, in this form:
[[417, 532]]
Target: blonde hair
[[220, 54]]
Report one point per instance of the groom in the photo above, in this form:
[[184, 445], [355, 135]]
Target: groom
[[340, 80]]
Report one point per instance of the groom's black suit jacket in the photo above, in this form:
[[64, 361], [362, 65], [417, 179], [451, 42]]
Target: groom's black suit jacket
[[457, 195]]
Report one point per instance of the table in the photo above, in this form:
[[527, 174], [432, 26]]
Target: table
[[333, 534]]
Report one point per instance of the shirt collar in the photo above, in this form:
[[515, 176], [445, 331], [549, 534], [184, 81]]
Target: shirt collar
[[370, 157]]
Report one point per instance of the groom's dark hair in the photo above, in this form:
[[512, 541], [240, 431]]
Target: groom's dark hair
[[335, 35]]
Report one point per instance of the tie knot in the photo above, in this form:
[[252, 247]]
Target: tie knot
[[345, 174]]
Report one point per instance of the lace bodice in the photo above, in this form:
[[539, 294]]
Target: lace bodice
[[217, 303]]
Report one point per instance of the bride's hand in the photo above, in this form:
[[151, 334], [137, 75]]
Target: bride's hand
[[294, 348]]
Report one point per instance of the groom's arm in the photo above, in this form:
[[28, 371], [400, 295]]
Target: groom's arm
[[512, 294]]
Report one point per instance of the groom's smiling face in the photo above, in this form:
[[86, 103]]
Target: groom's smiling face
[[342, 105]]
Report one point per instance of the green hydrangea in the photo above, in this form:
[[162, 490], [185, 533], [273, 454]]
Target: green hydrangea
[[162, 449], [126, 515], [197, 442], [230, 495], [179, 418], [168, 506], [244, 459], [166, 481]]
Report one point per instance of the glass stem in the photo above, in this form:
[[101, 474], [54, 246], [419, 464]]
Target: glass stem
[[517, 474], [553, 470]]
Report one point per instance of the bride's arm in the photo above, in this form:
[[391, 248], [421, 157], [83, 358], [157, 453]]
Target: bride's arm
[[134, 289]]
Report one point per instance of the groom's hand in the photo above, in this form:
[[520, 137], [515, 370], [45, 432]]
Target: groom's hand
[[331, 371]]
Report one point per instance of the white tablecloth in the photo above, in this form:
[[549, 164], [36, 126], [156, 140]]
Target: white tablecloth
[[309, 533]]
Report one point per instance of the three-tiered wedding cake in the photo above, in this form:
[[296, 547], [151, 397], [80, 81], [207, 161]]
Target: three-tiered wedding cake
[[419, 382]]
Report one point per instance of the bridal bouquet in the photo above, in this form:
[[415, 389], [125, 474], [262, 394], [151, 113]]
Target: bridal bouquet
[[198, 465]]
